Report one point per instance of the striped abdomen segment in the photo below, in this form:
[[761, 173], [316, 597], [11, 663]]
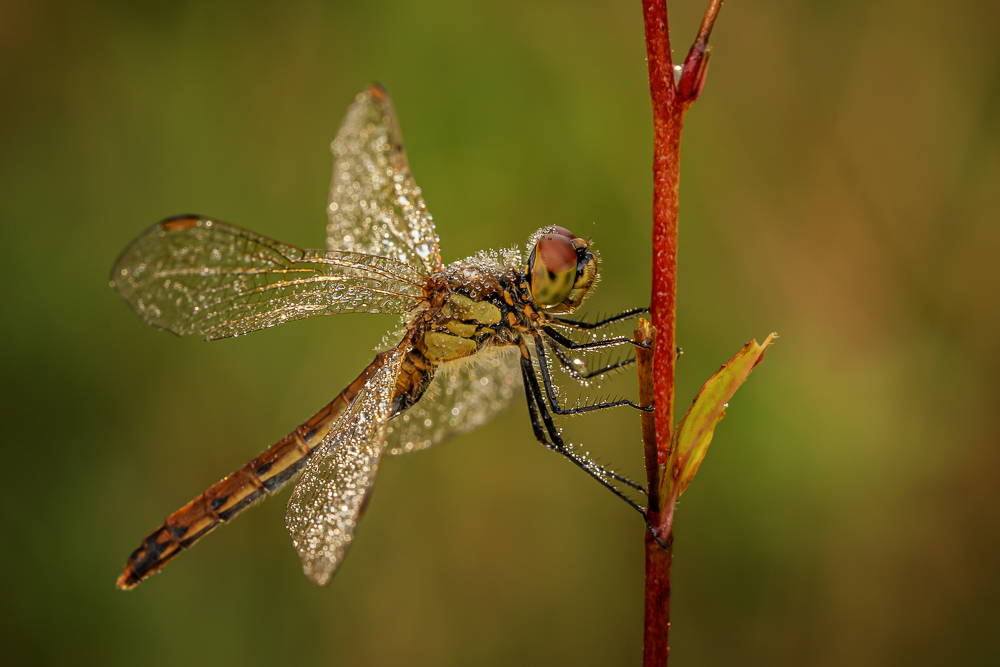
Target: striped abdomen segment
[[227, 498]]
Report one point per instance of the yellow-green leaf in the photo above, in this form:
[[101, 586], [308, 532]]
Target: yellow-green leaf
[[694, 432]]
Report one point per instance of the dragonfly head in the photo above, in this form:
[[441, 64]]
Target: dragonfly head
[[561, 269]]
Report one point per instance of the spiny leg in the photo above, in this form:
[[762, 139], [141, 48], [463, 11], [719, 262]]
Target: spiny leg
[[536, 422], [595, 470], [620, 317], [536, 409], [608, 342], [536, 404], [571, 344], [567, 362], [554, 400]]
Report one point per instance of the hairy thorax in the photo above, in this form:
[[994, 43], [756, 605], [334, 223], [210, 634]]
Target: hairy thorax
[[468, 308]]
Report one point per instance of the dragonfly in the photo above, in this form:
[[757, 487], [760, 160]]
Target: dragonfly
[[473, 335]]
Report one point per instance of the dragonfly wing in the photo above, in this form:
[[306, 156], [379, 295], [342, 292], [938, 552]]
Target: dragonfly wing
[[375, 206], [463, 396], [327, 501], [196, 275]]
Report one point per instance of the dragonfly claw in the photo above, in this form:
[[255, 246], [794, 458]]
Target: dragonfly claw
[[665, 545]]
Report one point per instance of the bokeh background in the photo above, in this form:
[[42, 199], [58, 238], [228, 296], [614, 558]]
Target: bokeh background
[[841, 185]]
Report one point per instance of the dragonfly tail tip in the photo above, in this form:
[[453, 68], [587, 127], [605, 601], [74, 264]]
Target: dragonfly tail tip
[[127, 581]]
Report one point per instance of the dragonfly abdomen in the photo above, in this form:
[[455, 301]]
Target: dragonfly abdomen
[[225, 499]]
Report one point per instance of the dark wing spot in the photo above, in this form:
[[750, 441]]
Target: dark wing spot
[[179, 223]]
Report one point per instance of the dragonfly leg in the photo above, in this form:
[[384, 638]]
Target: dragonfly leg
[[554, 400], [609, 342], [537, 409], [571, 344], [620, 317], [567, 363]]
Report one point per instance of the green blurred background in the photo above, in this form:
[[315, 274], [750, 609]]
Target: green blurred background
[[841, 184]]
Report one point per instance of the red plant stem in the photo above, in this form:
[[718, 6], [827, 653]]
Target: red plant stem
[[657, 616], [670, 104], [656, 620]]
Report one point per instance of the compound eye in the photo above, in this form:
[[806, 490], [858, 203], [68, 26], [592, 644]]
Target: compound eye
[[553, 269], [562, 231]]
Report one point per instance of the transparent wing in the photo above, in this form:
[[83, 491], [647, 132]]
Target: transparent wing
[[325, 505], [463, 395], [375, 206], [195, 275]]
